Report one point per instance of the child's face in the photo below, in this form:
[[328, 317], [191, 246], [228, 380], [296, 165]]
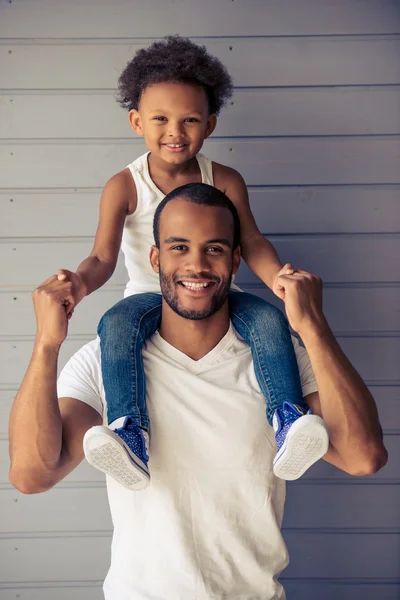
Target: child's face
[[173, 118]]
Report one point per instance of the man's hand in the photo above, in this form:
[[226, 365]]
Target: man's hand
[[303, 300], [78, 288], [51, 301]]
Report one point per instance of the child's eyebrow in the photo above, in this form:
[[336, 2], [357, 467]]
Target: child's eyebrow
[[163, 111]]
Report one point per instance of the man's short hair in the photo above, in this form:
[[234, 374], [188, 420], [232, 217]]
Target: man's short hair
[[198, 193]]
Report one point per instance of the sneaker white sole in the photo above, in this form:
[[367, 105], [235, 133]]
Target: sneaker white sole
[[105, 451], [306, 442]]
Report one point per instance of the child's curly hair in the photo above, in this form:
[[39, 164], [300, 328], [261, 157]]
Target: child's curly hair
[[175, 59]]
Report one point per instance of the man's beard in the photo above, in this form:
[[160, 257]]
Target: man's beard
[[167, 284]]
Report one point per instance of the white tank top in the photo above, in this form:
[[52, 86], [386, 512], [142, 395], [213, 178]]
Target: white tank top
[[137, 236]]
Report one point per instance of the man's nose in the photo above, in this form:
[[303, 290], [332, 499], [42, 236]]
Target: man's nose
[[197, 261]]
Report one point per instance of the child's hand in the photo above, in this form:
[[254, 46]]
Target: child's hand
[[278, 286], [78, 288]]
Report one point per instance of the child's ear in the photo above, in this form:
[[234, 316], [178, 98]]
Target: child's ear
[[135, 121], [211, 125], [154, 259]]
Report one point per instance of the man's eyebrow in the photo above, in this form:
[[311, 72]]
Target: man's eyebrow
[[174, 240], [222, 241]]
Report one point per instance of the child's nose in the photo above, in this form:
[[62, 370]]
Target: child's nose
[[175, 129]]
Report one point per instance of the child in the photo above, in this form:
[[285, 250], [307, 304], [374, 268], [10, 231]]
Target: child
[[174, 91]]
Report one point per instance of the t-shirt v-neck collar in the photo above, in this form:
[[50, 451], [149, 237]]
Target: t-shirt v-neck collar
[[195, 366]]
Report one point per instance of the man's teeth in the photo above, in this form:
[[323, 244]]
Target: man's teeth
[[194, 286]]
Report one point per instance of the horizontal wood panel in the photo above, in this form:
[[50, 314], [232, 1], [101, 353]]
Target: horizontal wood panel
[[341, 506], [52, 559], [338, 259], [337, 209], [15, 356], [255, 17], [349, 310], [86, 509], [273, 161], [289, 61], [60, 510], [67, 591], [312, 555], [36, 214], [295, 590], [307, 111], [335, 259], [333, 590], [343, 555]]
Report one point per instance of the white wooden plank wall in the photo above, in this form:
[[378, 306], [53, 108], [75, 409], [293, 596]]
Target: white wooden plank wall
[[314, 127]]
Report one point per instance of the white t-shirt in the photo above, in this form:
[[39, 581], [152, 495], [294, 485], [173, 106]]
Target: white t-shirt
[[208, 526]]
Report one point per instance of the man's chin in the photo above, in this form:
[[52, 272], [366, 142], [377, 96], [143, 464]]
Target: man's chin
[[189, 310]]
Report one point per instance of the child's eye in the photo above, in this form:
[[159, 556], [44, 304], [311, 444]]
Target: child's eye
[[191, 120], [160, 119]]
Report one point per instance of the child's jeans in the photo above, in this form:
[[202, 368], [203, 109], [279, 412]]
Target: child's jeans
[[124, 328]]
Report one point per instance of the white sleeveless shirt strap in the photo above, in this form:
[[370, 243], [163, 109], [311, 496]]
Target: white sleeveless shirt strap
[[206, 169]]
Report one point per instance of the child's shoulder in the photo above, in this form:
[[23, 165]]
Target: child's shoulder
[[121, 189], [226, 178]]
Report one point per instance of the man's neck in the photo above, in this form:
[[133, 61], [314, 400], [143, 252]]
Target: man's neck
[[194, 338]]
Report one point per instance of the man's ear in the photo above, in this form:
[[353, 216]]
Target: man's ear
[[236, 260], [211, 125], [135, 121], [154, 259]]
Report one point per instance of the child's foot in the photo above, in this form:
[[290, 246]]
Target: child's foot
[[301, 439], [121, 453]]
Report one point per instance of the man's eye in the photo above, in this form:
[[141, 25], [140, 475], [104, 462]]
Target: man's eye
[[179, 248], [214, 249]]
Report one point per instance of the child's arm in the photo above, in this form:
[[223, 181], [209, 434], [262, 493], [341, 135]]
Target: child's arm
[[256, 250], [118, 199]]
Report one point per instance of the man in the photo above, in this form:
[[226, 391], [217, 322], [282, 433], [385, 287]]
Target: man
[[208, 526]]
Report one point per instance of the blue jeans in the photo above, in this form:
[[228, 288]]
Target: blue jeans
[[124, 328]]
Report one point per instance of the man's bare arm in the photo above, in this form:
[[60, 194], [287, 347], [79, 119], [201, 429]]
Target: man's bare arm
[[343, 399], [45, 433]]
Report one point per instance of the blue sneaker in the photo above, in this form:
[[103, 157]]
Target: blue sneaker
[[121, 453], [301, 440]]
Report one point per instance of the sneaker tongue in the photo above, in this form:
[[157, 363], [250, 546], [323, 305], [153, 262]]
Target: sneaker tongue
[[276, 421]]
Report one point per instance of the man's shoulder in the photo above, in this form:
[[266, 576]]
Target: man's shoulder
[[85, 363], [89, 352], [81, 377]]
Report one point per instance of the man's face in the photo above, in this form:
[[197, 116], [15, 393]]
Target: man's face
[[196, 259]]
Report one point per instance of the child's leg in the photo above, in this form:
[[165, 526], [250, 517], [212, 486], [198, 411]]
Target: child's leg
[[121, 450], [265, 328], [301, 438], [123, 330]]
